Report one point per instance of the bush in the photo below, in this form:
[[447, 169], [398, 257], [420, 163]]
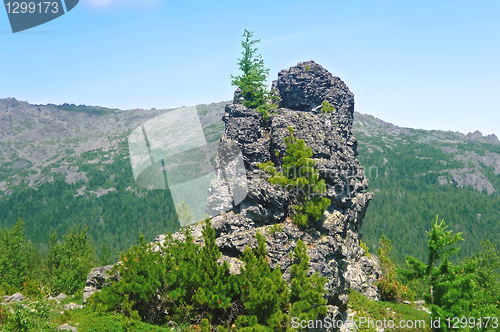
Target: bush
[[326, 108], [307, 293], [301, 179], [264, 292], [186, 282], [68, 263], [19, 259], [389, 286]]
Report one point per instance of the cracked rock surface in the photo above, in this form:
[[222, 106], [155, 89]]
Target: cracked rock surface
[[332, 241]]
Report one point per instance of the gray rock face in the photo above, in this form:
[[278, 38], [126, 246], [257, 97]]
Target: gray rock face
[[333, 242], [97, 279], [363, 273], [305, 86]]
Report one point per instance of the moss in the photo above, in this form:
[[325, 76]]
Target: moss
[[365, 248], [275, 228]]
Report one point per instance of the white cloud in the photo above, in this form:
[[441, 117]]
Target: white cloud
[[120, 3]]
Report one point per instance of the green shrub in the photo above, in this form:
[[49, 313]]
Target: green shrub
[[264, 292], [307, 293], [68, 263], [32, 317], [300, 179], [326, 108], [275, 228], [389, 286], [190, 283], [19, 259], [365, 248]]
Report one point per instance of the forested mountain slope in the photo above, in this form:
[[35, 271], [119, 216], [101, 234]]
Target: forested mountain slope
[[417, 174], [68, 165], [65, 166]]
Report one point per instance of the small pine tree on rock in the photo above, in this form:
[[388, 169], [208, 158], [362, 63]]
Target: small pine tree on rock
[[307, 293], [300, 179], [264, 292]]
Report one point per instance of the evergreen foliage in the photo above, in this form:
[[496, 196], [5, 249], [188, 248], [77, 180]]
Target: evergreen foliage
[[252, 81], [264, 292], [18, 259], [300, 179], [114, 219], [216, 286], [307, 292], [68, 263], [389, 286], [404, 170], [191, 284], [326, 108], [105, 256], [365, 247], [456, 290]]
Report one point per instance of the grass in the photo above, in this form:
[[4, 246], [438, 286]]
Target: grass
[[379, 310], [48, 315]]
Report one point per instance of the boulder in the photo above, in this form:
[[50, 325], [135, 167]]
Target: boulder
[[97, 279], [72, 306], [17, 297]]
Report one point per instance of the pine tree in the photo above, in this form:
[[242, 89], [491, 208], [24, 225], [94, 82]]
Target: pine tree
[[252, 81], [307, 293], [300, 179], [18, 258], [264, 292], [216, 286], [68, 263], [135, 294], [451, 288]]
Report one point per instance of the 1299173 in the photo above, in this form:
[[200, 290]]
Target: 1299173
[[32, 7]]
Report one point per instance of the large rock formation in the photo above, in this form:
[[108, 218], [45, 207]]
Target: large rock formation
[[333, 241]]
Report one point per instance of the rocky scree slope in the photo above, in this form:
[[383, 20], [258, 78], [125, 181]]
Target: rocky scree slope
[[333, 243], [474, 152]]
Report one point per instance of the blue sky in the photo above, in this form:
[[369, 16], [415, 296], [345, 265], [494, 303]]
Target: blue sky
[[421, 64]]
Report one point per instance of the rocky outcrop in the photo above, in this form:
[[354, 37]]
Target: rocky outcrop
[[363, 273], [333, 240], [307, 85], [17, 297]]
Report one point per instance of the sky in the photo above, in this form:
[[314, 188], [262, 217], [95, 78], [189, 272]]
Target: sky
[[420, 64]]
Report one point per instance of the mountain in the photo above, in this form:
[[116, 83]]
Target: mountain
[[67, 165], [417, 174]]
